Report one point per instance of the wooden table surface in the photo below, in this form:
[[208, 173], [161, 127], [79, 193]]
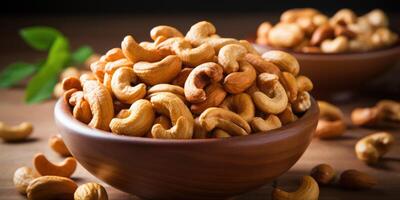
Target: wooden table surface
[[338, 153], [104, 32]]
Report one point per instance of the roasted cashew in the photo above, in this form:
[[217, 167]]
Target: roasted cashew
[[135, 53], [285, 35], [198, 78], [229, 56], [225, 120], [71, 82], [98, 68], [262, 33], [45, 168], [181, 118], [101, 104], [331, 121], [304, 83], [238, 82], [366, 116], [113, 55], [377, 18], [15, 133], [57, 144], [261, 65], [215, 95], [291, 86], [137, 123], [322, 33], [271, 86], [164, 31], [383, 37], [287, 116], [81, 108], [152, 46], [121, 86], [180, 79], [308, 190], [240, 104], [283, 60], [112, 66], [164, 121], [190, 56], [249, 47], [302, 102], [219, 133], [198, 131], [292, 15], [337, 45], [372, 147], [163, 87], [259, 124], [163, 71], [343, 17]]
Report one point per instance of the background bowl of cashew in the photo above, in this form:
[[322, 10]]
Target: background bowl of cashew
[[338, 53], [175, 169]]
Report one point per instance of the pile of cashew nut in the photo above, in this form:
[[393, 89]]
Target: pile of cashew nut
[[197, 85], [308, 30]]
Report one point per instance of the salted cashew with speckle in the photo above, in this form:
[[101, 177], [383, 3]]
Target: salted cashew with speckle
[[331, 121], [137, 122], [163, 71], [124, 86], [283, 60], [308, 190], [199, 78], [372, 147], [241, 104], [224, 119], [15, 133], [190, 56], [229, 56], [215, 95], [181, 118], [238, 82], [269, 86], [164, 31], [135, 53], [101, 104], [271, 122], [46, 168]]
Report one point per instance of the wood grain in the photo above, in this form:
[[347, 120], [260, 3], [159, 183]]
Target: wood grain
[[338, 153]]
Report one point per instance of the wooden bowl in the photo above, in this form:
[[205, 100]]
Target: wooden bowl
[[182, 169], [342, 72]]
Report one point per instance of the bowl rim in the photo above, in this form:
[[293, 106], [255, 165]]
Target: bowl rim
[[63, 116], [346, 55]]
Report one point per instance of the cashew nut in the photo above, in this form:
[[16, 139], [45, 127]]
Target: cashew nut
[[111, 67], [331, 121], [189, 55], [71, 82], [57, 144], [22, 177], [229, 56], [101, 104], [70, 72], [172, 106], [90, 191], [249, 47], [292, 15], [366, 116], [164, 31], [198, 131], [44, 167], [98, 69], [163, 87], [15, 133], [137, 123], [121, 86], [180, 79], [308, 190], [271, 86], [337, 45], [377, 18], [259, 124], [81, 108], [372, 147], [240, 104], [51, 187], [219, 133], [225, 120], [238, 82], [322, 33], [261, 65], [113, 55], [304, 84], [135, 53], [389, 109], [163, 71], [285, 35], [283, 60], [343, 17], [262, 33], [302, 102], [164, 121], [287, 116], [291, 86], [215, 95], [198, 78]]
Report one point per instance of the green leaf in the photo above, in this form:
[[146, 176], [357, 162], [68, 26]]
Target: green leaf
[[16, 72], [41, 85], [39, 37], [82, 54]]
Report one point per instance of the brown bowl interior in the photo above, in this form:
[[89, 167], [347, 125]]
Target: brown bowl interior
[[178, 169], [345, 71]]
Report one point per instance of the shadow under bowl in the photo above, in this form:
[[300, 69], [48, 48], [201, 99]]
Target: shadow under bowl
[[186, 169], [342, 72]]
